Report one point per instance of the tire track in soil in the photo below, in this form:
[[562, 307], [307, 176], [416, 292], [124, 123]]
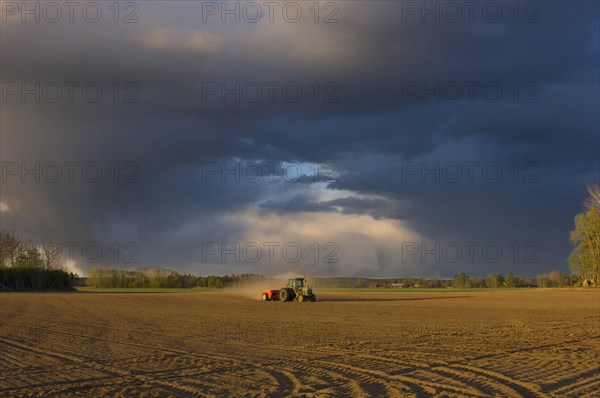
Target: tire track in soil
[[508, 384], [572, 382], [589, 390], [148, 378], [286, 383], [521, 387], [485, 386], [482, 389], [49, 354], [352, 388], [375, 377], [419, 386], [412, 383], [117, 373], [114, 373]]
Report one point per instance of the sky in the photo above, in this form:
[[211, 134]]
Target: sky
[[340, 138]]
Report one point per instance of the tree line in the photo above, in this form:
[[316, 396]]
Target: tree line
[[459, 281], [28, 266], [165, 278], [159, 277], [553, 279]]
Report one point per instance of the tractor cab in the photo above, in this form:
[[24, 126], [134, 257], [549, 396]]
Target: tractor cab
[[296, 283]]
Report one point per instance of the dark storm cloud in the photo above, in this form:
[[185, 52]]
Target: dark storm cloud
[[372, 130]]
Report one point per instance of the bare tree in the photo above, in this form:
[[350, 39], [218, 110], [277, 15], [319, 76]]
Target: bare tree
[[30, 256], [51, 253], [593, 198], [11, 246]]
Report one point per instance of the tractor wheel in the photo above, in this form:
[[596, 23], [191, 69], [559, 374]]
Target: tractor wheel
[[313, 298], [284, 295], [265, 297], [291, 294], [300, 298]]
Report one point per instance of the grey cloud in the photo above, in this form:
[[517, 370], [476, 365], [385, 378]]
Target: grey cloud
[[369, 134]]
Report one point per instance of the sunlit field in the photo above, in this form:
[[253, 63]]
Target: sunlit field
[[456, 343]]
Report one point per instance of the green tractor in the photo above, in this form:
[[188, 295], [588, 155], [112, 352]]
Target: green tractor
[[296, 288]]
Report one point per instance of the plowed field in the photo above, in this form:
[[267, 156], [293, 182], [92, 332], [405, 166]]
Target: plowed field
[[530, 342]]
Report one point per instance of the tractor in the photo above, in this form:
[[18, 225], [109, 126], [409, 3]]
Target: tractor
[[296, 288]]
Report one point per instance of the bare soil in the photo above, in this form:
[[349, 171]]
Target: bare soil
[[530, 342]]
